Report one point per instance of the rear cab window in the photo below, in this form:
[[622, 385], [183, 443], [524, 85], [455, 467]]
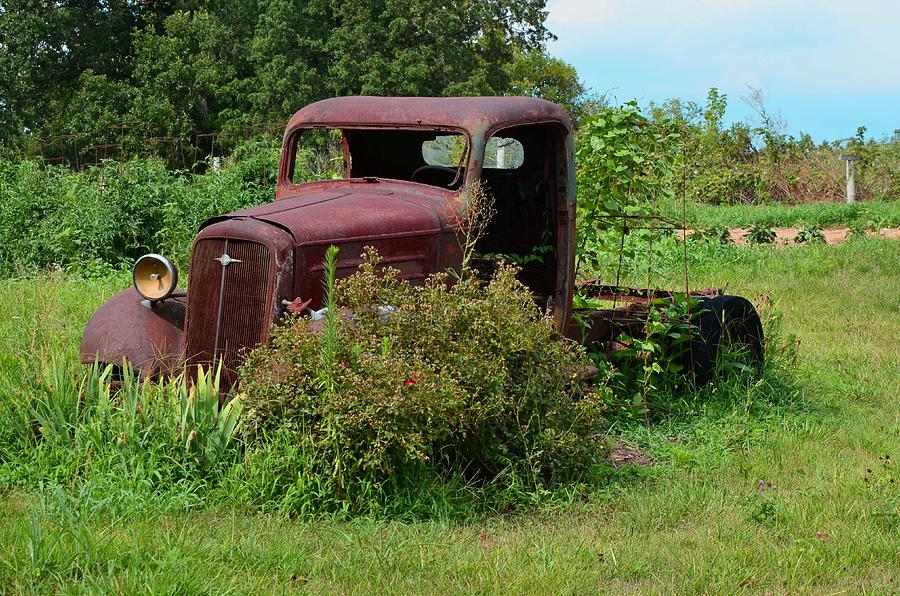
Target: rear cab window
[[503, 153]]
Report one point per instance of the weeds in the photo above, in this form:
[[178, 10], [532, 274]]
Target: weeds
[[814, 425], [808, 235], [652, 364], [140, 440], [761, 235], [101, 219], [716, 234], [471, 222]]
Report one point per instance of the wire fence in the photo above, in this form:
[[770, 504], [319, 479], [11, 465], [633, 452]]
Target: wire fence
[[137, 139]]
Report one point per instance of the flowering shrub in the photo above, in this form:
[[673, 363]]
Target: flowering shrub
[[462, 379]]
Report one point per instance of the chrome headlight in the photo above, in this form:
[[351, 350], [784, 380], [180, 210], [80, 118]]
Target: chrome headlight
[[154, 277]]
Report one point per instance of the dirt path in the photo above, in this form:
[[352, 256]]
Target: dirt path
[[785, 236], [832, 235]]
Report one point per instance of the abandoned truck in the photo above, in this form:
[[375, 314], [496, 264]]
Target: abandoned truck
[[407, 163]]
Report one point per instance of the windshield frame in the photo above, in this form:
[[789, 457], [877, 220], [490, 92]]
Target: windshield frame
[[289, 149]]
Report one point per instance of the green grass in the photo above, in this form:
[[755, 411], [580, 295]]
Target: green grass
[[697, 521], [822, 215]]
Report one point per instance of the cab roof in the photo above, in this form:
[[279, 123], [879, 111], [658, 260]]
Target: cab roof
[[468, 113]]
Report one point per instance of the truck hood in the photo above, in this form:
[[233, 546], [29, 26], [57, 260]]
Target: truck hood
[[354, 210]]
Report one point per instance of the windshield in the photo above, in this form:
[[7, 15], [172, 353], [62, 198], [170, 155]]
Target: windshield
[[436, 158]]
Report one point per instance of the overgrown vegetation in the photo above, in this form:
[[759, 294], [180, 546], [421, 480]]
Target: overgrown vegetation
[[411, 410], [758, 163], [466, 383], [466, 395], [105, 217], [626, 168], [407, 401], [801, 462], [639, 176], [118, 447]]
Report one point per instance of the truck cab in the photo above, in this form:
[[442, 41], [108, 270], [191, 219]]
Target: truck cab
[[406, 167]]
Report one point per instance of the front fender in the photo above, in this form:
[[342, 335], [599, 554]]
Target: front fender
[[126, 327]]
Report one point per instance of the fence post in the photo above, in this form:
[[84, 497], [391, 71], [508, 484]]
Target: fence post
[[851, 172]]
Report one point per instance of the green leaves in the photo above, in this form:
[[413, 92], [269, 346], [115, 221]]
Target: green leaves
[[172, 431], [654, 363], [428, 379], [760, 234], [186, 68], [538, 74], [625, 166], [809, 235], [187, 77]]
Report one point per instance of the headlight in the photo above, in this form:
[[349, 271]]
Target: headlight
[[154, 277]]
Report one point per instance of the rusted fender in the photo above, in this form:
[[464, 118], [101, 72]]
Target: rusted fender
[[127, 328]]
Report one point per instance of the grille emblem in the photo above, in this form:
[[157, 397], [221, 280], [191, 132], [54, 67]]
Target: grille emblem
[[226, 260]]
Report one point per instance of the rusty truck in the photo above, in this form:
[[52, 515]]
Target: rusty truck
[[404, 165]]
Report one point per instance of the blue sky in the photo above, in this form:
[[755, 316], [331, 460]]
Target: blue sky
[[826, 66]]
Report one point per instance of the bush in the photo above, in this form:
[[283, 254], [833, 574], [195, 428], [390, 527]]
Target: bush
[[625, 167], [428, 382], [808, 235], [758, 164], [712, 235], [106, 216], [878, 166], [739, 183]]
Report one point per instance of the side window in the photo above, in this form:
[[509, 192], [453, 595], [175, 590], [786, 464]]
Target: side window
[[317, 156], [503, 154]]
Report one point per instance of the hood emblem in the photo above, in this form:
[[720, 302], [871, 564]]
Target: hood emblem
[[226, 260]]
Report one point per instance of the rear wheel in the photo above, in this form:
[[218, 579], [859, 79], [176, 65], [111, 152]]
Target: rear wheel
[[729, 338]]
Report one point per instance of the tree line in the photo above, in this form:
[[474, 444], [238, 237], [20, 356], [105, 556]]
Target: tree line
[[179, 68]]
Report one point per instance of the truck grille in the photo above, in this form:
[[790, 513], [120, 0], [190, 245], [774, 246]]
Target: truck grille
[[228, 302]]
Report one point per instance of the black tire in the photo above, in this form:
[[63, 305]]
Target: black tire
[[730, 321]]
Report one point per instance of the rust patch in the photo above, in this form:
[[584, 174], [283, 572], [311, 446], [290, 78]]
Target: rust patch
[[127, 328]]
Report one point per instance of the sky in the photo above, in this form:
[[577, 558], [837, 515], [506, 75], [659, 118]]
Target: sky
[[825, 66]]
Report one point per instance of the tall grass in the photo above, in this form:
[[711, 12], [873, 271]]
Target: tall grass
[[119, 443], [858, 215], [169, 446]]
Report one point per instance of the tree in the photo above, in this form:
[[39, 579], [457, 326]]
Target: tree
[[48, 46], [189, 66], [187, 77], [288, 57], [538, 74]]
